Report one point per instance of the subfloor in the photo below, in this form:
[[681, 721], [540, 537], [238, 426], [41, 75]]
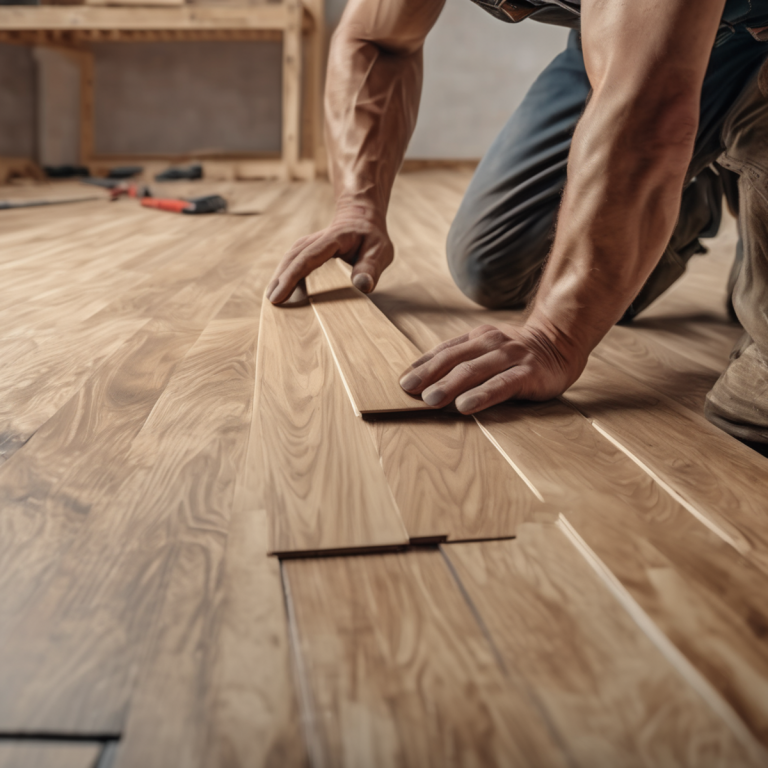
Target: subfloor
[[585, 582]]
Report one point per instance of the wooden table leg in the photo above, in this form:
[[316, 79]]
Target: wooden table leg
[[292, 85]]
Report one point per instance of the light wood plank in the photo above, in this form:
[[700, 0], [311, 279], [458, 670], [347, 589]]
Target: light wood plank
[[702, 594], [448, 479], [251, 710], [99, 498], [613, 695], [644, 358], [292, 72], [717, 477], [215, 687], [256, 16], [400, 674], [48, 754], [371, 353], [325, 489]]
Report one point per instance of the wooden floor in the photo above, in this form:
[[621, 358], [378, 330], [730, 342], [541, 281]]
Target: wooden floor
[[582, 582]]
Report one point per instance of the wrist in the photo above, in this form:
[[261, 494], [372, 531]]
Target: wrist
[[564, 351], [360, 206]]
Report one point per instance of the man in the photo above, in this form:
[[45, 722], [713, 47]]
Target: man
[[647, 97]]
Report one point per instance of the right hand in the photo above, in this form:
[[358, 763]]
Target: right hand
[[357, 234]]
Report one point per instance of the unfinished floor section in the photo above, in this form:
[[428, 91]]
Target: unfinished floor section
[[221, 546]]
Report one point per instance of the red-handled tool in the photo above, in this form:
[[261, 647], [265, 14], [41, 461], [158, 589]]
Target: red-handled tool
[[208, 204]]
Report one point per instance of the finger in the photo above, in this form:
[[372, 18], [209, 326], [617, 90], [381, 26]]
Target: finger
[[432, 352], [504, 386], [474, 333], [446, 360], [294, 251], [465, 376], [308, 260], [374, 258]]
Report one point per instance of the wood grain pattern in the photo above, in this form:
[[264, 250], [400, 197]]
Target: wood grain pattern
[[699, 590], [251, 714], [612, 694], [651, 363], [215, 686], [30, 754], [96, 509], [325, 489], [679, 448], [371, 353], [403, 647], [448, 479]]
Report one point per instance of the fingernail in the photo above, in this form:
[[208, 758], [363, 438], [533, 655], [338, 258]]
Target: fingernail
[[272, 289], [410, 381], [363, 282], [433, 396], [469, 403]]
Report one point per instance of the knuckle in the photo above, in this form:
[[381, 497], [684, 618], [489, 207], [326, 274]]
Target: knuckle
[[467, 369]]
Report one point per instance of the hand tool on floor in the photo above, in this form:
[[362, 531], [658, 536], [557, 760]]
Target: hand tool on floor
[[207, 204], [194, 171], [124, 189], [6, 205]]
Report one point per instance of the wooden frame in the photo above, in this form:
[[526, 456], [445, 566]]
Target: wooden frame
[[76, 27]]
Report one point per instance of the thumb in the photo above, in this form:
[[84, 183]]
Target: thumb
[[374, 259]]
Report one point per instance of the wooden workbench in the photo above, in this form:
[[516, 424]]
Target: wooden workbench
[[73, 29]]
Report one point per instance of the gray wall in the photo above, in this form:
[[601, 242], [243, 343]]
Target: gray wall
[[476, 71], [17, 102], [166, 98], [170, 98]]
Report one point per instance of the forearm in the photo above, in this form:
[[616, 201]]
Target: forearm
[[626, 172], [372, 100]]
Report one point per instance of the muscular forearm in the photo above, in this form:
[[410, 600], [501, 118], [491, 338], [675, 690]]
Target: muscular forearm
[[626, 172], [646, 61], [372, 101]]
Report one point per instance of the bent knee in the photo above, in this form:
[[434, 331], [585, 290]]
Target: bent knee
[[495, 280]]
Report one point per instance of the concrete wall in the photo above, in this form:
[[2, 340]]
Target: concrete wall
[[58, 107], [165, 98], [171, 98], [476, 71], [17, 102]]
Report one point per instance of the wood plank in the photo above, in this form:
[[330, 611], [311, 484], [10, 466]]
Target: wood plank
[[46, 377], [614, 696], [448, 479], [257, 16], [49, 754], [215, 687], [703, 595], [87, 479], [371, 353], [292, 71], [403, 648], [251, 712], [716, 477], [651, 363], [710, 597], [86, 106], [325, 489], [104, 504]]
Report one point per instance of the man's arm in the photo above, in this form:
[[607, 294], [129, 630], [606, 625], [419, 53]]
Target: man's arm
[[646, 61], [371, 102]]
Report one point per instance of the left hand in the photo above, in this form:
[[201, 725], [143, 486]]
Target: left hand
[[489, 365]]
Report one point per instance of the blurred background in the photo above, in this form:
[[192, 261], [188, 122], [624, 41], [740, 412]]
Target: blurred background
[[177, 98]]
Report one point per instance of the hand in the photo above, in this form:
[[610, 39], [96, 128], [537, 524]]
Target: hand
[[357, 234], [487, 366]]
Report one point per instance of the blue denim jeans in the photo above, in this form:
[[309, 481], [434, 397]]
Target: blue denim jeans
[[503, 230]]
